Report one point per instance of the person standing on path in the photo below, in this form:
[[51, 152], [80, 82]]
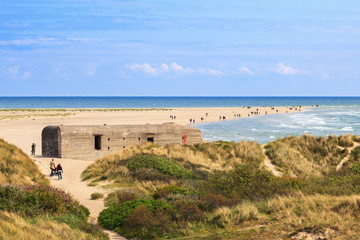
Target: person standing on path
[[60, 171], [33, 146], [52, 167]]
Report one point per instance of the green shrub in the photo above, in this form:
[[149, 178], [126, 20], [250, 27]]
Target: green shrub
[[143, 224], [162, 164], [334, 185], [150, 174], [356, 168], [165, 191], [211, 201], [188, 211], [39, 199], [247, 183], [96, 195], [115, 215]]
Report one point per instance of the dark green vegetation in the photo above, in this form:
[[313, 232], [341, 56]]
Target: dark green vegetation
[[96, 195], [222, 190], [161, 164], [28, 203]]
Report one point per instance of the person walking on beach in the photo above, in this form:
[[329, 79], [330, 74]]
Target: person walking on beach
[[60, 171], [33, 149], [52, 167]]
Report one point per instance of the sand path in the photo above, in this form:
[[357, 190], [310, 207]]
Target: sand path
[[269, 165], [72, 183], [345, 159]]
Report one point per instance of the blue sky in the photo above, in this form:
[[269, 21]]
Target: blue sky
[[179, 48]]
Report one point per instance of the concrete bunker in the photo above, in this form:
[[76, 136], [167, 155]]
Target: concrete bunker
[[90, 142]]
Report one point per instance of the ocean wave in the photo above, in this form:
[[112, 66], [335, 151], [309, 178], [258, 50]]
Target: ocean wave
[[348, 129]]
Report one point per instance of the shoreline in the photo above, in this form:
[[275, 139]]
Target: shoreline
[[147, 115], [24, 128]]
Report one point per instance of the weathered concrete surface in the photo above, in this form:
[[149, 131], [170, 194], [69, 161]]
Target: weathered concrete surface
[[89, 142]]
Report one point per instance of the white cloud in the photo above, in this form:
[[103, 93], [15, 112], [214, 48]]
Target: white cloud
[[209, 71], [15, 73], [26, 75], [245, 70], [285, 70], [178, 68], [145, 67], [173, 67], [164, 67]]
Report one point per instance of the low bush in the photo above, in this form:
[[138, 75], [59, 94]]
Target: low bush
[[165, 191], [163, 164], [119, 196], [334, 185], [39, 199], [150, 174], [356, 168], [96, 195], [188, 211], [247, 183], [124, 196], [143, 224], [115, 215], [211, 201]]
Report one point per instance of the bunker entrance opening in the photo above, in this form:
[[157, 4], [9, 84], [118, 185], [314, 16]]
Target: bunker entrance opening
[[150, 137], [97, 142]]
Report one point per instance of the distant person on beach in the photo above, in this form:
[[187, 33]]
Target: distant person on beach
[[52, 167], [60, 171], [33, 146]]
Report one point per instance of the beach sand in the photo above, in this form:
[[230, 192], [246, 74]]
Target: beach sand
[[23, 128]]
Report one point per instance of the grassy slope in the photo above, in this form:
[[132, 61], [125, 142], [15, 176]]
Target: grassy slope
[[327, 206], [308, 156], [16, 168], [201, 159], [13, 226]]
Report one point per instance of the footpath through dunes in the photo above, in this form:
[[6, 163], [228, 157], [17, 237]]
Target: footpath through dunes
[[340, 165], [33, 209], [72, 184], [269, 165]]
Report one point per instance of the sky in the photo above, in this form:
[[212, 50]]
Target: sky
[[179, 48]]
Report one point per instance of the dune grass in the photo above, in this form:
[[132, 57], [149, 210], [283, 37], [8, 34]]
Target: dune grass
[[282, 217], [308, 156], [14, 227], [206, 157], [31, 209], [17, 168], [221, 190]]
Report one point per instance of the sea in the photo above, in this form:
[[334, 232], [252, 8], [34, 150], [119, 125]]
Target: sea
[[323, 115]]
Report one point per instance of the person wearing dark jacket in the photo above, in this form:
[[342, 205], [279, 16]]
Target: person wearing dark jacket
[[60, 171]]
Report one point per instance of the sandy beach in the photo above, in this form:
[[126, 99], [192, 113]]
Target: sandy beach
[[22, 128]]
